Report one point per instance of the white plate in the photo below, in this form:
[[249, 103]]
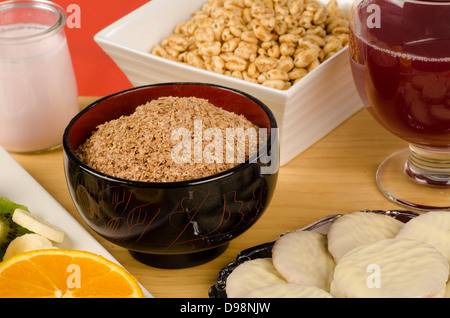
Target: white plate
[[20, 187]]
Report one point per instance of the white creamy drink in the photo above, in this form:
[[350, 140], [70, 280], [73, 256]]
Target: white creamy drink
[[38, 92]]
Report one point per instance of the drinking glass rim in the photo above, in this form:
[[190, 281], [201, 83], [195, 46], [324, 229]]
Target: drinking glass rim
[[38, 4], [427, 2], [420, 2]]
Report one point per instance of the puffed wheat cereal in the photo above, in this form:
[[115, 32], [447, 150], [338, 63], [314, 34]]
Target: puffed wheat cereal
[[254, 37]]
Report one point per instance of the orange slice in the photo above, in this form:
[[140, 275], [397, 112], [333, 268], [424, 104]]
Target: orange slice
[[57, 273]]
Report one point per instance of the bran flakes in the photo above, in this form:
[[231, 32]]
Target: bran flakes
[[139, 146]]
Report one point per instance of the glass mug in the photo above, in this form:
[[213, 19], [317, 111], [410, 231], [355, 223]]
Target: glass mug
[[38, 90], [400, 59]]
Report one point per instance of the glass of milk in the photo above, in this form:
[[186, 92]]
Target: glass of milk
[[38, 90]]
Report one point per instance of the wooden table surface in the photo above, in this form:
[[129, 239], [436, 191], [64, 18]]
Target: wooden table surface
[[335, 175]]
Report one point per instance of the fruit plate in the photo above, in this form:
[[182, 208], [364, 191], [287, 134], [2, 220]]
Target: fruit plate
[[265, 250], [20, 187]]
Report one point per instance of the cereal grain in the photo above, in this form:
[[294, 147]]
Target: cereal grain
[[140, 146]]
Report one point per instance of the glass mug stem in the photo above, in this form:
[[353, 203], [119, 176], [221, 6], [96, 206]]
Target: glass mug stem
[[430, 166], [417, 178]]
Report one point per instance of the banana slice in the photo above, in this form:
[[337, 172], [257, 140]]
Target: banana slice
[[38, 225], [25, 243]]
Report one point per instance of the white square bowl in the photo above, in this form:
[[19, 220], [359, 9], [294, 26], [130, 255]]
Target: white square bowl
[[306, 112]]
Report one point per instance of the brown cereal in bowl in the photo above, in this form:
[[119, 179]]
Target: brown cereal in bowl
[[170, 139]]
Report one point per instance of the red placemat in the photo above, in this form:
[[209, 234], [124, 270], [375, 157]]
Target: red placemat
[[97, 74]]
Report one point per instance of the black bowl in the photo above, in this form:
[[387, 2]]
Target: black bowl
[[172, 224]]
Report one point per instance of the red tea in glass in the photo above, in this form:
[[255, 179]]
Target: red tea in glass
[[406, 71], [400, 58]]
